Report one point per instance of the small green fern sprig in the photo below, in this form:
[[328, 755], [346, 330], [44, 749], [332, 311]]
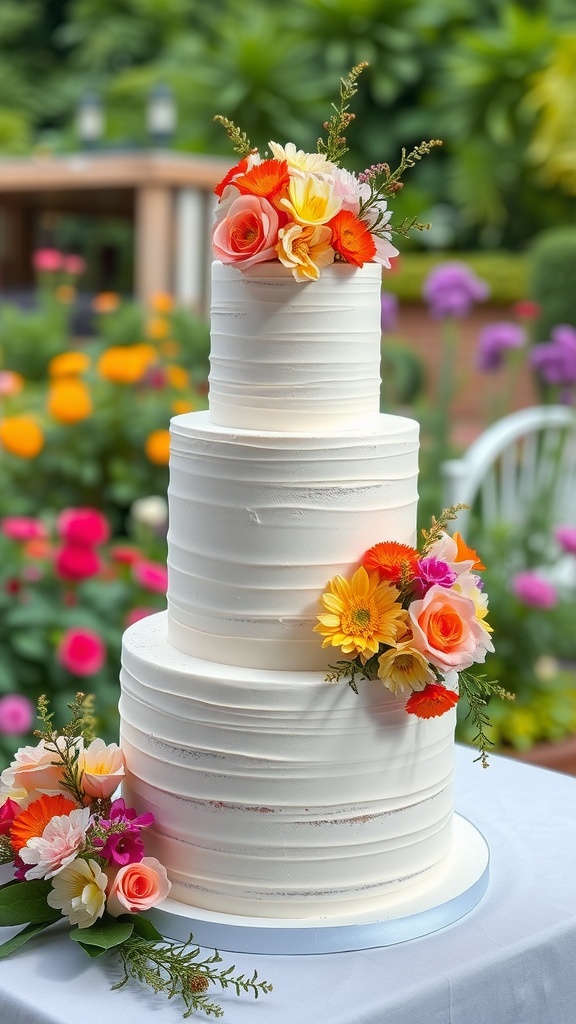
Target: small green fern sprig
[[335, 146], [240, 141], [477, 690], [350, 671], [64, 743], [174, 969], [439, 525]]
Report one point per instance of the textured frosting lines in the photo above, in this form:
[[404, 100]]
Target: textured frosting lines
[[294, 356], [276, 794], [260, 523]]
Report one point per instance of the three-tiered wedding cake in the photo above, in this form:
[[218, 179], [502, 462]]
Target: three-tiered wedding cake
[[276, 793]]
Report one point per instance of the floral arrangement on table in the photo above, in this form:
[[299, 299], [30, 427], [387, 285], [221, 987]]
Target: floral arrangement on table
[[79, 854], [304, 209], [415, 620]]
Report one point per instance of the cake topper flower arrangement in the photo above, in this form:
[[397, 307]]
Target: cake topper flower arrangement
[[415, 620], [305, 210], [79, 853]]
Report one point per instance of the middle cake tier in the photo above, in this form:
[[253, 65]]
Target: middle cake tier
[[259, 522]]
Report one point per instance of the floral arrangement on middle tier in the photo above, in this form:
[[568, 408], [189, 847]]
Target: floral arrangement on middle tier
[[415, 620]]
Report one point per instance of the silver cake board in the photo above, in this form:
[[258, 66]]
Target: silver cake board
[[457, 890]]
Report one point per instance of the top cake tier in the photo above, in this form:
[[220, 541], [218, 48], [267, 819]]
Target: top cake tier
[[288, 355]]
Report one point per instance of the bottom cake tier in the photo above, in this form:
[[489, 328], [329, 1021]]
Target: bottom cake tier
[[279, 794]]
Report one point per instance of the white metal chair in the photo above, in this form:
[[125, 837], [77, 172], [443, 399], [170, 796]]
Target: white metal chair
[[524, 462]]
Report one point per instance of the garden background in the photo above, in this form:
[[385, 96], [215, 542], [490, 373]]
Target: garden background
[[89, 379]]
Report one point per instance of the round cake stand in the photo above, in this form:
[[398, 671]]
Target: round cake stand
[[456, 891]]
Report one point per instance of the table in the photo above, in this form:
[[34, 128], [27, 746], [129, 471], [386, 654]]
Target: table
[[512, 960]]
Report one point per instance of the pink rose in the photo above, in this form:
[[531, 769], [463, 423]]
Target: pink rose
[[137, 887], [566, 537], [16, 714], [534, 591], [47, 260], [102, 768], [32, 770], [83, 526], [81, 651], [74, 562], [447, 630], [151, 575], [246, 231], [73, 264], [23, 528]]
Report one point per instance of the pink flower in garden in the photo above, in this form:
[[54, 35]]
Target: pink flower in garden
[[81, 651], [125, 554], [534, 591], [566, 537], [494, 341], [137, 887], [73, 264], [151, 576], [10, 383], [84, 526], [246, 231], [47, 261], [451, 289], [8, 812], [16, 714], [75, 563], [23, 528], [135, 614], [526, 309]]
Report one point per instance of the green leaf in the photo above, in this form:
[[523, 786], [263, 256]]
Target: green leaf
[[146, 930], [25, 903], [104, 935], [11, 945]]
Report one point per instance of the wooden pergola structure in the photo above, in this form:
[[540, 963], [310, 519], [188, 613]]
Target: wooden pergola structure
[[167, 195]]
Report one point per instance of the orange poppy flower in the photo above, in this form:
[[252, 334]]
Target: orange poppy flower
[[432, 701], [21, 435], [157, 447], [391, 560], [69, 400], [465, 553], [33, 820], [351, 238], [105, 302], [266, 179], [162, 303], [238, 168]]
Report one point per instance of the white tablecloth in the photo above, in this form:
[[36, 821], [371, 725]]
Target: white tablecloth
[[512, 960]]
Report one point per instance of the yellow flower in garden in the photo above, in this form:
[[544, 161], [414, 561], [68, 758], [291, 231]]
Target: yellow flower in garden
[[65, 293], [304, 250], [361, 614], [402, 669], [311, 200], [105, 302], [181, 405], [125, 364], [21, 435], [177, 377], [69, 400], [69, 364], [158, 328], [157, 447], [161, 302]]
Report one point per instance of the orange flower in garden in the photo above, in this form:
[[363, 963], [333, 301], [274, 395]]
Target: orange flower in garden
[[69, 400], [267, 179], [21, 435], [162, 302], [432, 701], [158, 328], [65, 293], [391, 560], [181, 405], [177, 377], [170, 349], [125, 364], [351, 238], [465, 553], [105, 302], [32, 821], [157, 447], [69, 364]]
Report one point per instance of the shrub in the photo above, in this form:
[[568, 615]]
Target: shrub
[[551, 280]]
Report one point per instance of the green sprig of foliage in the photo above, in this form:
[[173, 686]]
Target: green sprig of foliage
[[240, 141], [64, 743], [335, 146], [478, 690], [439, 525]]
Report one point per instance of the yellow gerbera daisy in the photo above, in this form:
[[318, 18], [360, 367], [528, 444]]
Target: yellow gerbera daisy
[[311, 201], [402, 669], [361, 614]]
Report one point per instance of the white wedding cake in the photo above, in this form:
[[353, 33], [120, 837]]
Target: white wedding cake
[[277, 793]]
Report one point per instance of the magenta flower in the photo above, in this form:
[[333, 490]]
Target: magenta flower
[[23, 528], [8, 812], [135, 614], [16, 714], [151, 576], [47, 261], [74, 264], [451, 289], [533, 590], [566, 537], [83, 526], [555, 360], [75, 563], [494, 341], [81, 651], [119, 812], [121, 847], [432, 570]]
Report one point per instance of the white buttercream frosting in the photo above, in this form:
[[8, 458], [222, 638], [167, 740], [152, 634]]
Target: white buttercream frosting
[[277, 794], [292, 355]]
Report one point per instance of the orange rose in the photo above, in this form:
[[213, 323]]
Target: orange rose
[[137, 887], [157, 447], [446, 629]]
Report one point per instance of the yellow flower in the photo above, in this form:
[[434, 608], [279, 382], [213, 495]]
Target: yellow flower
[[177, 377], [402, 669], [170, 349], [68, 364], [69, 400], [181, 405], [125, 364], [298, 160], [65, 293], [361, 614], [311, 201], [157, 447], [161, 302], [105, 302], [305, 250], [158, 328], [21, 435]]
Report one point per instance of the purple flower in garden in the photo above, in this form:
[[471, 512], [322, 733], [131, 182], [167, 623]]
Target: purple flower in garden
[[566, 537], [534, 591], [432, 570], [388, 312], [451, 289], [555, 360], [494, 341]]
